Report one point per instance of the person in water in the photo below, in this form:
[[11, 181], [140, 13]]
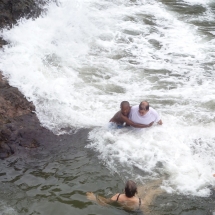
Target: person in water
[[128, 199], [144, 114], [121, 117]]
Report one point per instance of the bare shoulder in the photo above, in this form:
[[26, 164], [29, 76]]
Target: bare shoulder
[[114, 198], [117, 118]]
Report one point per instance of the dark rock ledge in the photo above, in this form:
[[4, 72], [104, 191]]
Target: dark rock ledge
[[19, 125]]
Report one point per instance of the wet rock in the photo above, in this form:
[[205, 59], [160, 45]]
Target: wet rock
[[5, 150], [19, 125], [5, 134], [12, 10], [12, 102], [2, 42]]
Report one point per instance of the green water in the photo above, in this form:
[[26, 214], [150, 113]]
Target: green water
[[54, 180]]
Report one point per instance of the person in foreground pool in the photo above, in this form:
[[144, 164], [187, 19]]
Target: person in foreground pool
[[128, 199], [121, 117]]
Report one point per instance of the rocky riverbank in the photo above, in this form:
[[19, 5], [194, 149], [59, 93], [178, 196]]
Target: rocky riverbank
[[19, 125]]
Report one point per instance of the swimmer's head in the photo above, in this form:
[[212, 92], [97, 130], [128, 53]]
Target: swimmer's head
[[143, 108], [125, 108], [130, 188]]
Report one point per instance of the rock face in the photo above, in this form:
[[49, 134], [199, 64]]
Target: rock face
[[13, 10], [13, 104], [17, 120], [19, 125], [20, 129]]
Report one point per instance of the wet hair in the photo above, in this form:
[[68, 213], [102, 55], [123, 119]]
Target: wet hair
[[144, 105], [130, 188], [124, 103]]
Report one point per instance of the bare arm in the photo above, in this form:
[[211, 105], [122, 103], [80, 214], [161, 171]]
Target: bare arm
[[133, 124], [99, 199], [116, 118], [160, 122]]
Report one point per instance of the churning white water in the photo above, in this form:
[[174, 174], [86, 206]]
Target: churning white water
[[82, 58]]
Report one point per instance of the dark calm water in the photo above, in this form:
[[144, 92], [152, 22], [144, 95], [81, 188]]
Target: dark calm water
[[77, 63], [55, 181]]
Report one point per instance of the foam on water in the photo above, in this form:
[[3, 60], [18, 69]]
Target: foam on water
[[62, 62], [81, 59], [183, 154]]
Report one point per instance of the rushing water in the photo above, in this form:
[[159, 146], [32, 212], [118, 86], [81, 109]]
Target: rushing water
[[77, 63]]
